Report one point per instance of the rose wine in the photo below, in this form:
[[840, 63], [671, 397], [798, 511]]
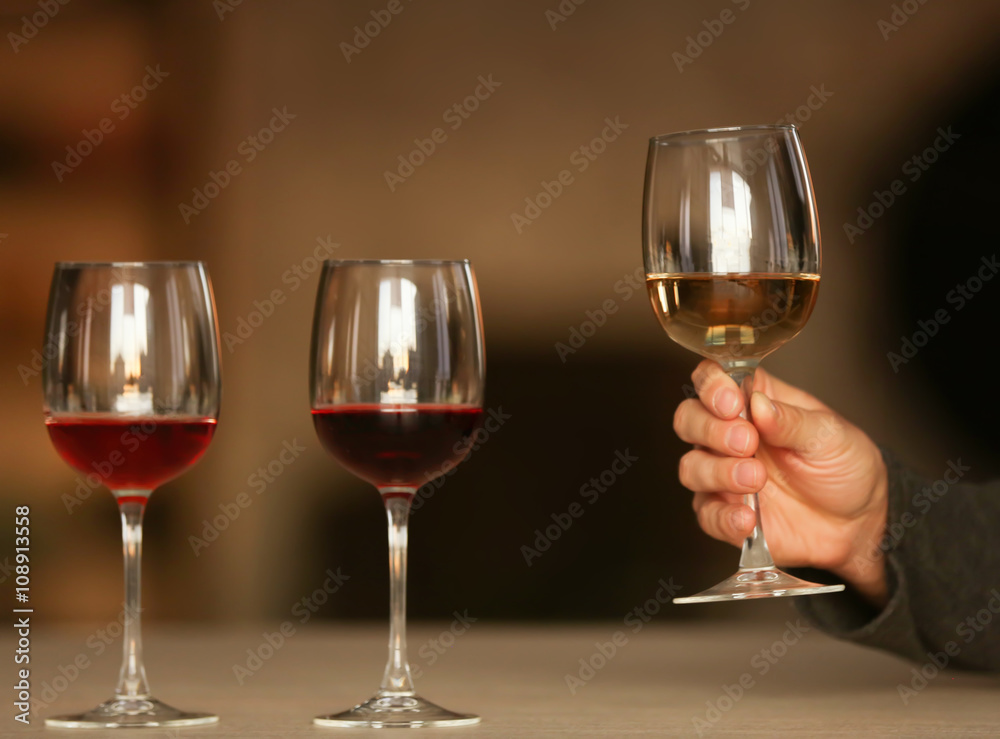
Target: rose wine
[[134, 453], [397, 445], [722, 316]]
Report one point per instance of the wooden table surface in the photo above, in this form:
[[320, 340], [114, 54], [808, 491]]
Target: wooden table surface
[[664, 680]]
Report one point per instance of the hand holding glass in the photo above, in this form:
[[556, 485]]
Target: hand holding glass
[[732, 254]]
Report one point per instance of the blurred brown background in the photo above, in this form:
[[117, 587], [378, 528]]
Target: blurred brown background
[[228, 65]]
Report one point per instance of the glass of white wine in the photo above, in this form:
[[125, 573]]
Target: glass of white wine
[[732, 252]]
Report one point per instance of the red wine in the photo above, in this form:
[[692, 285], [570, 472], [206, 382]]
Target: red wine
[[397, 445], [134, 453]]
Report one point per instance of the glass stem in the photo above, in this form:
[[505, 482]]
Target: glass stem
[[132, 680], [397, 679], [755, 554]]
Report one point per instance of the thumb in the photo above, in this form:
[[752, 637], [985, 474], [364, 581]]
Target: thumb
[[810, 433]]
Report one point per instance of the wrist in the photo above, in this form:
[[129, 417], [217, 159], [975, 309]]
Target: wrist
[[864, 570]]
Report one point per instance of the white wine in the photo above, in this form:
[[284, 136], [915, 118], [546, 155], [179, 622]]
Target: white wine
[[735, 315]]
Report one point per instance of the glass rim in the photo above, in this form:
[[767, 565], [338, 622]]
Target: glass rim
[[398, 262], [696, 132], [167, 263]]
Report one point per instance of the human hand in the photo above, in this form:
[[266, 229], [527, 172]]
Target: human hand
[[822, 482]]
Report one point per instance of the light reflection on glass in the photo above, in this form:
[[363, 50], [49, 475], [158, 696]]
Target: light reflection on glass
[[729, 221], [397, 339], [129, 347]]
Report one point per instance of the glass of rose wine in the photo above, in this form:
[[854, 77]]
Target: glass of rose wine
[[131, 401], [732, 253], [397, 374]]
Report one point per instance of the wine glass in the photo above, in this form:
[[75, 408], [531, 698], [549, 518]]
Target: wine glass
[[397, 375], [131, 401], [732, 253]]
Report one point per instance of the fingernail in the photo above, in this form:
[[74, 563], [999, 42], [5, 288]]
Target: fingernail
[[770, 403], [725, 402], [746, 474], [738, 439], [736, 519]]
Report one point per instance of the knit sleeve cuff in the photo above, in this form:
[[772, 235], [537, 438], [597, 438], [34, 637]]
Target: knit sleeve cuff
[[847, 615]]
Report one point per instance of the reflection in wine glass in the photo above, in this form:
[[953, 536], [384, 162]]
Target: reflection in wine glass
[[732, 255]]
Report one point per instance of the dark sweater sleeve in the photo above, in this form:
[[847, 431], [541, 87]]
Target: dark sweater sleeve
[[942, 558]]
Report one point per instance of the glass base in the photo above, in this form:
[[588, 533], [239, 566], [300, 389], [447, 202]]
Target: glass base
[[765, 582], [128, 713], [396, 711]]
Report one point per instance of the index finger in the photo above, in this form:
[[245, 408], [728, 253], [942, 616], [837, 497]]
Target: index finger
[[716, 390]]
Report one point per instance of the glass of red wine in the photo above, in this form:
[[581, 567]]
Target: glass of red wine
[[732, 254], [397, 375], [131, 401]]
